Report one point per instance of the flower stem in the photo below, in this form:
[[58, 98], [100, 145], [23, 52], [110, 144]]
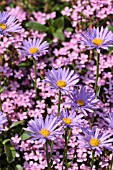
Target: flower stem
[[97, 73], [66, 142], [51, 151], [59, 98], [111, 165], [65, 150], [34, 62], [47, 155], [92, 161]]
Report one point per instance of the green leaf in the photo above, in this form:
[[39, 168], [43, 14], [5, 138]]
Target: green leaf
[[110, 49], [110, 28], [5, 141], [37, 26], [51, 22], [16, 124], [52, 29], [59, 34], [9, 151], [68, 164], [59, 23], [3, 84], [32, 81], [25, 136], [98, 91], [19, 167], [1, 89], [24, 64], [69, 29]]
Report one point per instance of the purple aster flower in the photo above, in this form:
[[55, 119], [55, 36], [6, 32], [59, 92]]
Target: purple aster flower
[[3, 120], [40, 129], [83, 100], [95, 139], [34, 47], [93, 38], [8, 24], [109, 120], [61, 79], [71, 119]]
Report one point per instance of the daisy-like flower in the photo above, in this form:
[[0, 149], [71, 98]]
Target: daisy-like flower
[[83, 100], [93, 38], [70, 119], [96, 140], [3, 120], [109, 120], [8, 24], [34, 47], [61, 79], [39, 129]]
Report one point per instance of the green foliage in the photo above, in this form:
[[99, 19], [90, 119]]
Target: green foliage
[[16, 124], [98, 91], [110, 49], [37, 26], [59, 23], [1, 89], [19, 167], [59, 34], [54, 27], [26, 63], [69, 29], [5, 82], [25, 136], [110, 28], [9, 151]]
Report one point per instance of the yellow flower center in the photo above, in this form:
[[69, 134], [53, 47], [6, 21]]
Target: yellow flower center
[[44, 132], [94, 142], [2, 26], [33, 50], [61, 83], [67, 120], [80, 102], [97, 41]]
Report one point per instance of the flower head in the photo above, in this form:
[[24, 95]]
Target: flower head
[[3, 120], [70, 119], [83, 100], [109, 120], [61, 79], [33, 47], [40, 129], [95, 139], [8, 24], [93, 38]]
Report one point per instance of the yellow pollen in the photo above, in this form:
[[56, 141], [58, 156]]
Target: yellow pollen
[[2, 26], [80, 102], [61, 83], [44, 132], [33, 50], [97, 41], [94, 142], [67, 120]]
